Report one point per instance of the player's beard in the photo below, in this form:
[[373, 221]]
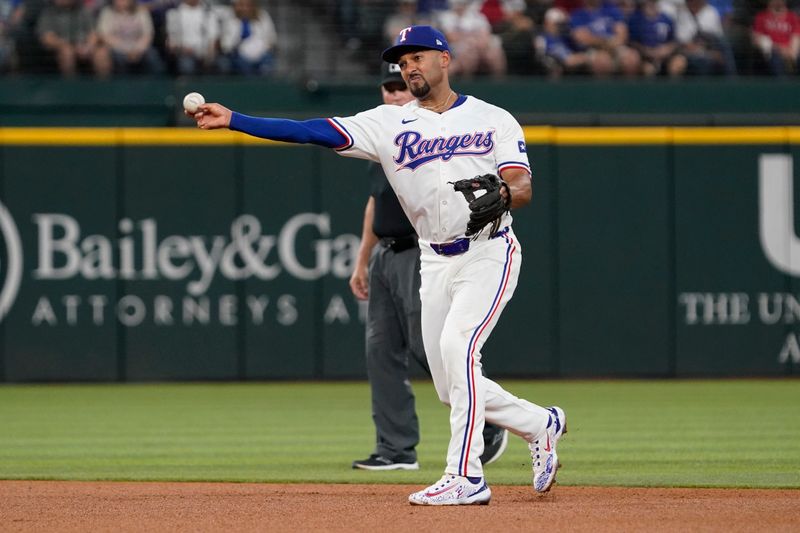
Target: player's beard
[[420, 91]]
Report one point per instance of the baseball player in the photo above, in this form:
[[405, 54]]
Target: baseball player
[[389, 280], [430, 149]]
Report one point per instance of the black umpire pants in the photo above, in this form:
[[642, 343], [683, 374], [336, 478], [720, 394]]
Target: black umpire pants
[[393, 337]]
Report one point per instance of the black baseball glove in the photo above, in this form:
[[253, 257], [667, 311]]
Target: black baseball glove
[[488, 208]]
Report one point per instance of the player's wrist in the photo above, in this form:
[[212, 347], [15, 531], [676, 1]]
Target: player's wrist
[[235, 120]]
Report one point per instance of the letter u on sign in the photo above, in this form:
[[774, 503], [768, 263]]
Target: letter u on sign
[[776, 212]]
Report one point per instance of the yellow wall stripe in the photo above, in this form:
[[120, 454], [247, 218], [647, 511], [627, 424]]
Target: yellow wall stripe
[[764, 135], [59, 136], [539, 134], [664, 135], [611, 136], [533, 135], [181, 136], [126, 136]]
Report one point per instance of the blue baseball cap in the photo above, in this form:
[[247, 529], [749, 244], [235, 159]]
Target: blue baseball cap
[[414, 38]]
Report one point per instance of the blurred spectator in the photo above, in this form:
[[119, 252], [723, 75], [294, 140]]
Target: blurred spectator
[[698, 29], [568, 6], [744, 11], [652, 34], [493, 11], [11, 15], [126, 27], [601, 29], [471, 40], [31, 56], [737, 26], [517, 33], [627, 8], [192, 37], [776, 34], [66, 29], [537, 9], [725, 10], [561, 58], [405, 15], [247, 39], [362, 27], [347, 21], [431, 7], [158, 13], [496, 11], [93, 6], [669, 6]]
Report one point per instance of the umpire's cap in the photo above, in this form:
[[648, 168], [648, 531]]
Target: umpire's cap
[[390, 73], [415, 38]]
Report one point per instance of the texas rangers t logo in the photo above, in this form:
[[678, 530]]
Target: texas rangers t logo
[[402, 36], [418, 151]]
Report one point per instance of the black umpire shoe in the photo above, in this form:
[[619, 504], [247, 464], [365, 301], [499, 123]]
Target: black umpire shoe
[[495, 440], [377, 462]]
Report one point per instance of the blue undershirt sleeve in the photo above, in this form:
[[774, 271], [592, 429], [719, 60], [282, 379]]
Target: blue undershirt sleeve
[[315, 131]]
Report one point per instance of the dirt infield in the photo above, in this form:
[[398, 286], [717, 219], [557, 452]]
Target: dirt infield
[[107, 506]]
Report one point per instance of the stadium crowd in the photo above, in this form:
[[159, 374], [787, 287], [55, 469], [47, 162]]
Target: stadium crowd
[[105, 37], [554, 38]]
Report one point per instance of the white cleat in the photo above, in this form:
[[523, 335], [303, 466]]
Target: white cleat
[[453, 490], [543, 451]]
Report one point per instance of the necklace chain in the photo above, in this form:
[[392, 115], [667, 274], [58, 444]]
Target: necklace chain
[[442, 105]]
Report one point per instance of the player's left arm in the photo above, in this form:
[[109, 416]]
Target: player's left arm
[[512, 161], [519, 183]]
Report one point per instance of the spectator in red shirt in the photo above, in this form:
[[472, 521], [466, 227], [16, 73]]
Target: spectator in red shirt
[[776, 33], [568, 5], [493, 11]]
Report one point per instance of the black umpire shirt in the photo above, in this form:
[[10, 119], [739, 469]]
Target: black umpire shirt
[[390, 220]]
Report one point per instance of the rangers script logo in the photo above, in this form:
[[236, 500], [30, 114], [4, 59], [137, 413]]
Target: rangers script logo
[[416, 151], [11, 262]]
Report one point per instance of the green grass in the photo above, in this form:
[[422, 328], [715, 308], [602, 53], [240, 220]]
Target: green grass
[[637, 433]]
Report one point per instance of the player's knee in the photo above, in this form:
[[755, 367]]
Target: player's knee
[[449, 341]]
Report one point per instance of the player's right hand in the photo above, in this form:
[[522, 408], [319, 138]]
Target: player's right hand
[[359, 282], [212, 116]]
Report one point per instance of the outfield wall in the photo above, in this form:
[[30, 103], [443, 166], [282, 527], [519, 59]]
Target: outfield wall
[[172, 254], [155, 102]]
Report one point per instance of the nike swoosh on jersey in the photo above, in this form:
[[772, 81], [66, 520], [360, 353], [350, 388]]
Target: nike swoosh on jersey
[[406, 121]]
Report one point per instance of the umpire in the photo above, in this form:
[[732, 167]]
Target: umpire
[[386, 274]]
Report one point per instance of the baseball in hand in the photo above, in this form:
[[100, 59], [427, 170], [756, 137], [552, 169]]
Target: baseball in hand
[[191, 101]]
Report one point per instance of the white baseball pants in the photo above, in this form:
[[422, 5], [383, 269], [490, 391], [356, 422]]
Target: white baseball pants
[[462, 299]]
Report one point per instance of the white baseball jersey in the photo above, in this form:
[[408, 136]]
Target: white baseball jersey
[[462, 294], [421, 151]]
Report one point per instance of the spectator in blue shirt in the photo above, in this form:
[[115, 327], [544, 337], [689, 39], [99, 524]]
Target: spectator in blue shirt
[[11, 14], [652, 34], [559, 55], [725, 9], [600, 28], [428, 7]]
